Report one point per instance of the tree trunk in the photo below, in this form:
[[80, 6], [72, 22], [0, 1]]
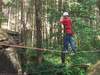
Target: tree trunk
[[0, 12], [98, 4], [38, 14], [60, 7], [23, 22], [95, 70], [23, 33]]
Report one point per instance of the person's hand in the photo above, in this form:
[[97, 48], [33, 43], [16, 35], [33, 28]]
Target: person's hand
[[61, 19]]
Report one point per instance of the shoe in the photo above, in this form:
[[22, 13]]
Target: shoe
[[64, 51], [73, 53]]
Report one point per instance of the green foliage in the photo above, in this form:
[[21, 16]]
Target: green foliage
[[85, 34], [53, 15], [2, 18], [48, 68], [52, 64], [83, 15], [31, 54]]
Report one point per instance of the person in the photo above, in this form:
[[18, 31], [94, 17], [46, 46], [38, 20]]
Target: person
[[68, 38]]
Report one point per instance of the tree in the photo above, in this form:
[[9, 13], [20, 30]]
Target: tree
[[9, 54], [23, 33], [23, 22], [38, 21], [98, 4], [95, 70], [0, 12]]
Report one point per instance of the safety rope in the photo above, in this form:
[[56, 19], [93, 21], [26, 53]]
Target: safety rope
[[44, 49]]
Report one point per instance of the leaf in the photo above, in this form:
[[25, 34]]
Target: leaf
[[7, 1]]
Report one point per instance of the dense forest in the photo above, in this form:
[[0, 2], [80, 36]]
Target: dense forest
[[32, 37]]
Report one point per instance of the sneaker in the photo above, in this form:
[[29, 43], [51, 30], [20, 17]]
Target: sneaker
[[73, 53], [64, 51]]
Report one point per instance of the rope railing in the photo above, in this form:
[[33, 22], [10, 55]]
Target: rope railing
[[44, 49]]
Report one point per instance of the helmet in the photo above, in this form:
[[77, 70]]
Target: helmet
[[65, 14]]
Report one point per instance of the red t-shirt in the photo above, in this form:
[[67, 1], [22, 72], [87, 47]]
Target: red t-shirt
[[68, 24]]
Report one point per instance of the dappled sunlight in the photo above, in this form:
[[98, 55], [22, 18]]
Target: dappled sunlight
[[95, 69], [51, 37]]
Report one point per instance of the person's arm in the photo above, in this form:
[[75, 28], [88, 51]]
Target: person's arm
[[61, 20]]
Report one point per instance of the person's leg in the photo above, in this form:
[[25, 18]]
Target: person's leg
[[66, 42], [65, 49], [73, 44]]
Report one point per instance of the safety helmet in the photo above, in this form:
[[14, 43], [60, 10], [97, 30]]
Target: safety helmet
[[65, 14]]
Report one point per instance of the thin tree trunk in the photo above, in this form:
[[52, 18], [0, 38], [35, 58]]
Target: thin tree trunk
[[0, 12], [60, 3], [98, 4], [23, 33], [38, 14], [23, 22]]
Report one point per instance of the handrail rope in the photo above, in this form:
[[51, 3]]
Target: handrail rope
[[44, 49]]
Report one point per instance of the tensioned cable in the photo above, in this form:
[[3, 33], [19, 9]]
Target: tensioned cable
[[44, 49]]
